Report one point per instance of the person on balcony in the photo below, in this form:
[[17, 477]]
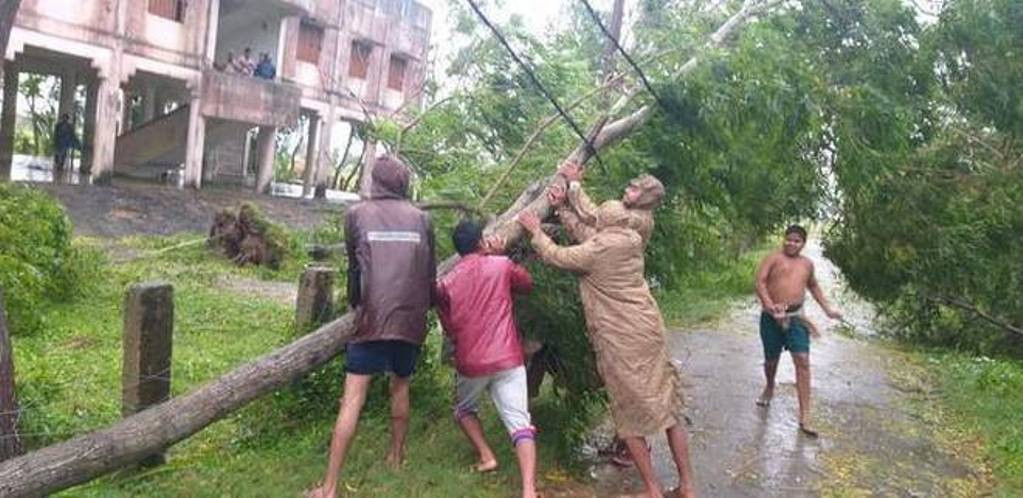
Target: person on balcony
[[246, 64], [265, 69]]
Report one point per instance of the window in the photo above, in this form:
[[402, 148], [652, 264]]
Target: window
[[310, 41], [396, 73], [171, 9], [358, 62]]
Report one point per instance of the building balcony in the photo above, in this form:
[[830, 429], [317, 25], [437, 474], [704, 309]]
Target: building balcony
[[248, 99]]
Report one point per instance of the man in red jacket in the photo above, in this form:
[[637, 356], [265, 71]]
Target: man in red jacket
[[474, 302]]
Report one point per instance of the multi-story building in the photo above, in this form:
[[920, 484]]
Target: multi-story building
[[159, 90]]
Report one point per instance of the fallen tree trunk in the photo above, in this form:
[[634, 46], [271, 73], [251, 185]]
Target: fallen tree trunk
[[88, 456]]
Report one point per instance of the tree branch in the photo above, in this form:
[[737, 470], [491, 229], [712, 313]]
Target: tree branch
[[965, 306]]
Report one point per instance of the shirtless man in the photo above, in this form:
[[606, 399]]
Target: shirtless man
[[782, 280]]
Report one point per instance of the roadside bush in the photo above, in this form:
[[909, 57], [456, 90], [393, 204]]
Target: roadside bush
[[37, 261]]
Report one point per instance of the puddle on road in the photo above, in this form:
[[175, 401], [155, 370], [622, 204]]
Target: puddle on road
[[873, 442]]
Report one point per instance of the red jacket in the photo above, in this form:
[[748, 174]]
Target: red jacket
[[474, 302]]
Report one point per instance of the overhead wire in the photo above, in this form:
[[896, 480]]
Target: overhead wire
[[536, 81], [621, 50]]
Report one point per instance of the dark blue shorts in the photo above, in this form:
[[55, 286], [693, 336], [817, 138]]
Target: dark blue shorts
[[796, 339], [372, 357]]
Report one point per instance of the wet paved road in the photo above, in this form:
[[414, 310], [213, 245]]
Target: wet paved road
[[873, 441]]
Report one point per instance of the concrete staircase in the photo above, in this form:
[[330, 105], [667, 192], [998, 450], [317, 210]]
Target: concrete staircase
[[152, 149]]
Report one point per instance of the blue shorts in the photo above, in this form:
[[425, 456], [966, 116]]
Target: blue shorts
[[372, 357], [796, 339]]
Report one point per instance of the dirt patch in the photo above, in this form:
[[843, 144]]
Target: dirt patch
[[135, 208], [281, 292]]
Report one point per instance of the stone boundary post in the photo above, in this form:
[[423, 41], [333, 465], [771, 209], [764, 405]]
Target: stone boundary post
[[10, 441], [148, 330], [315, 302]]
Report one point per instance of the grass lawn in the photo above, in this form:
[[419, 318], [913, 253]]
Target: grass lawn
[[69, 383], [985, 397]]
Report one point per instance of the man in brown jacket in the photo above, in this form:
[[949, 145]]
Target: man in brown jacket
[[625, 327], [391, 272]]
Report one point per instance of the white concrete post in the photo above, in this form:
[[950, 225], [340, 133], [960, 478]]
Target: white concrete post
[[312, 153], [105, 132], [195, 145], [265, 158], [88, 127], [325, 161], [211, 31]]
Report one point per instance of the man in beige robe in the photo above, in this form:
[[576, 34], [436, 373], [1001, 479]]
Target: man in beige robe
[[578, 214], [626, 330]]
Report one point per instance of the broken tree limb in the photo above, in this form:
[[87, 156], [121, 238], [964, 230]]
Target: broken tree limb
[[971, 308], [90, 455], [85, 457]]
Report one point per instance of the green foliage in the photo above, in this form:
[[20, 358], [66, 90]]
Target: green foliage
[[38, 265], [986, 393], [927, 164]]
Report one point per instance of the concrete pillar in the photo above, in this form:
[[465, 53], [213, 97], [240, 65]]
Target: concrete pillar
[[213, 20], [149, 103], [68, 86], [125, 125], [8, 118], [312, 155], [105, 133], [88, 127], [324, 165], [265, 143], [148, 332], [315, 302], [195, 145]]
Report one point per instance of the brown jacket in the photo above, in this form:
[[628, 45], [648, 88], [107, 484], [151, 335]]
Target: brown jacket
[[391, 265]]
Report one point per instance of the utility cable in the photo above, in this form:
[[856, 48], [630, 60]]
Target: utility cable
[[529, 72], [625, 54]]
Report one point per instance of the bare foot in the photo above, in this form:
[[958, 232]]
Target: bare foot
[[805, 428], [642, 495], [765, 398], [485, 466], [687, 492], [319, 492], [395, 460]]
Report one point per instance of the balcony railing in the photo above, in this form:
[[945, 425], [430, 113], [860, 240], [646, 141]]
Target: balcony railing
[[249, 99], [297, 7]]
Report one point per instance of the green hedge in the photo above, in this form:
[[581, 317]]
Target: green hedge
[[37, 262]]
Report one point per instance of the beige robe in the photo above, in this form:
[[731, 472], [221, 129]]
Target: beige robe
[[624, 325], [579, 215]]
